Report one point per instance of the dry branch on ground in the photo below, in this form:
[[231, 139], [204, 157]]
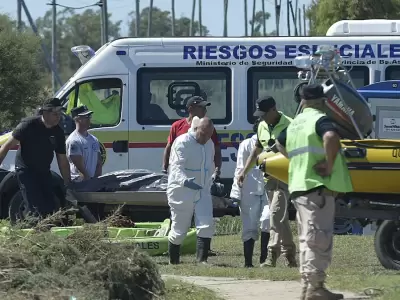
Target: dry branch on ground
[[43, 265]]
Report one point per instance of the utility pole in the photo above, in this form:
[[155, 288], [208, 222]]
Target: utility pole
[[100, 3], [300, 21], [138, 18], [277, 15], [54, 46], [226, 17], [245, 19], [150, 19], [173, 17], [288, 16], [191, 26], [304, 20], [19, 15], [105, 21], [200, 19]]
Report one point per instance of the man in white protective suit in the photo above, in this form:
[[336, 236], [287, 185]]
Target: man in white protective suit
[[253, 203], [191, 166]]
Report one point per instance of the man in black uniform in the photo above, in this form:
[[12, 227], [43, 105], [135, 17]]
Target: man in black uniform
[[39, 137]]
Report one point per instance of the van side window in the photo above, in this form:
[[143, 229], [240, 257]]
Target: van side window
[[392, 73], [279, 82], [102, 96], [153, 84]]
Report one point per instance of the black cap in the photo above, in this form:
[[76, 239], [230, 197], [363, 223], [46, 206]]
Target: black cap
[[80, 111], [52, 104], [263, 105], [197, 100], [312, 92]]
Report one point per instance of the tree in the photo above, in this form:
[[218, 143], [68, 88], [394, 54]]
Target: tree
[[162, 24], [72, 30], [324, 13], [258, 21], [20, 74]]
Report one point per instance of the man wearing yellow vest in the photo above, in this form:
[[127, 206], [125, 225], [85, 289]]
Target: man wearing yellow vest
[[281, 238], [317, 174]]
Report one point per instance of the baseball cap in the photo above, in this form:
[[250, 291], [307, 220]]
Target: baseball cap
[[197, 100], [52, 104], [80, 111], [312, 92], [263, 105]]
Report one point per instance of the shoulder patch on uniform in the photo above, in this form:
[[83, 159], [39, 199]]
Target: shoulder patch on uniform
[[95, 147]]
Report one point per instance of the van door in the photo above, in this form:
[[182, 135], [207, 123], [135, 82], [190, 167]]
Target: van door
[[107, 97]]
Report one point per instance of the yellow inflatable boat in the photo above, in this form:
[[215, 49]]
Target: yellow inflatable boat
[[372, 163]]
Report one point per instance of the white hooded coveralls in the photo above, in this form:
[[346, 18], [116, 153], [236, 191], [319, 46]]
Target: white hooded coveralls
[[254, 208], [190, 159]]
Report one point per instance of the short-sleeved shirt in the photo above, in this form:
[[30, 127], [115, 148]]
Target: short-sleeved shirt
[[182, 126], [323, 125], [86, 146], [37, 144]]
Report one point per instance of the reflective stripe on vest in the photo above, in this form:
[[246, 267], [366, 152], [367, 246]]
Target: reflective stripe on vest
[[306, 149]]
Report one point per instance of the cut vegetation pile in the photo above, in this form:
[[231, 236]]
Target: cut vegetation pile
[[43, 265]]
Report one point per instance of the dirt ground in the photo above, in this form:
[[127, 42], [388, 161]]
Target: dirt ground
[[238, 289]]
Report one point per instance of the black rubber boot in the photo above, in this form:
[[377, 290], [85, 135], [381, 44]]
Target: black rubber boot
[[203, 247], [211, 252], [174, 253], [248, 248], [264, 246]]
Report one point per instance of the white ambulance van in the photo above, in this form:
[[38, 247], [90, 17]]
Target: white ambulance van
[[137, 87]]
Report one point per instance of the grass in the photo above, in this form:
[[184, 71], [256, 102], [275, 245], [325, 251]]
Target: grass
[[355, 266], [176, 290]]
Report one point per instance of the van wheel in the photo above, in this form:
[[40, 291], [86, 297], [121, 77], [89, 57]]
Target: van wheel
[[387, 244], [19, 207]]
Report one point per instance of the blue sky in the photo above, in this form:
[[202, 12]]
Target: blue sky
[[212, 13]]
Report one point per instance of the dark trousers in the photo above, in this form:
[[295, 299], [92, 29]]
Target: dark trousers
[[37, 190]]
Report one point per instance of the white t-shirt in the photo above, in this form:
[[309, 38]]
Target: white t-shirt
[[86, 146]]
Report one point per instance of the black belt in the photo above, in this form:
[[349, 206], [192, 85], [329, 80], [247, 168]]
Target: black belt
[[321, 189]]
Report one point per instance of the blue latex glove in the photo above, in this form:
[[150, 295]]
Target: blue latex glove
[[189, 183]]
